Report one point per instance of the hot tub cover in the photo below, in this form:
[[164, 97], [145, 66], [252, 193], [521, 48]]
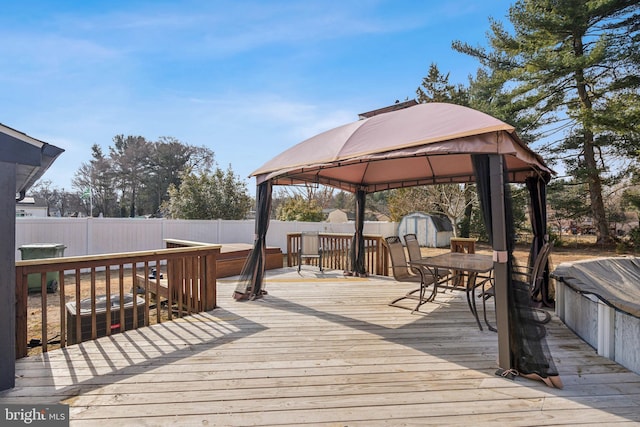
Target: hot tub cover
[[615, 280]]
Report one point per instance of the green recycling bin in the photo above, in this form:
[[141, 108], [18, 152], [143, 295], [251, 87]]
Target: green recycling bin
[[40, 251]]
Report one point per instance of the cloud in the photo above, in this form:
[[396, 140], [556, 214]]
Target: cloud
[[247, 79], [242, 129], [224, 28]]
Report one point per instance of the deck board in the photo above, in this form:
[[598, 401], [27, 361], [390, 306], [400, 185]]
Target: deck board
[[322, 350]]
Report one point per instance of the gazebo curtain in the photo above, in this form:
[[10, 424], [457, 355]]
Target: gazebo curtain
[[250, 285], [537, 187], [357, 244], [528, 348]]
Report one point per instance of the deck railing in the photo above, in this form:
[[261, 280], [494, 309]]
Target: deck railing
[[335, 252], [184, 282]]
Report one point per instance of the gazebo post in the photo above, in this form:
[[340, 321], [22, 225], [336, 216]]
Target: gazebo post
[[251, 282], [357, 245], [500, 259]]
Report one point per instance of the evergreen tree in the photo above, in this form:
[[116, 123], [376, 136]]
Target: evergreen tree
[[456, 202], [213, 194], [571, 65], [436, 88], [298, 208]]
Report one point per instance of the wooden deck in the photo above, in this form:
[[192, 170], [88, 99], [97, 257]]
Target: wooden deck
[[322, 349]]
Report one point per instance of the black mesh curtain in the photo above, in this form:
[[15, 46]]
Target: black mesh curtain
[[250, 285], [537, 187], [357, 244], [528, 347], [482, 171]]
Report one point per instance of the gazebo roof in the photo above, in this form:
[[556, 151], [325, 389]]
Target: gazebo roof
[[423, 144]]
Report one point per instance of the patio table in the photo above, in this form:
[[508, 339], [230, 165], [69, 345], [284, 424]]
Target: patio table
[[463, 265]]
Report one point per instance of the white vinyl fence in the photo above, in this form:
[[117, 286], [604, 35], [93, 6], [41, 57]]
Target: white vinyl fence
[[92, 236]]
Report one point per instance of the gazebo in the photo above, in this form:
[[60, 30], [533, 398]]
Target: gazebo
[[433, 143]]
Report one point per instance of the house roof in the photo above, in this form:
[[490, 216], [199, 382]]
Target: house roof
[[31, 156]]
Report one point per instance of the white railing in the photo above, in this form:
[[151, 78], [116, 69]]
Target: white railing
[[92, 236]]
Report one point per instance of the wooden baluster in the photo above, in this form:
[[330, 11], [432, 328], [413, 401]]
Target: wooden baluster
[[157, 288], [94, 329], [43, 303], [107, 292], [121, 289], [63, 319], [180, 284]]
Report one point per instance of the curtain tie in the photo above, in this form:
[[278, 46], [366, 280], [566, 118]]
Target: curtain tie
[[500, 256]]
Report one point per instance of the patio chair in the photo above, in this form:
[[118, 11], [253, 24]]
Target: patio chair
[[455, 279], [399, 266], [402, 272], [535, 276], [532, 276], [413, 248], [464, 245], [310, 248]]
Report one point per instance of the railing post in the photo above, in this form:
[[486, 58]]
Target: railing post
[[384, 256], [378, 258], [290, 237], [210, 292]]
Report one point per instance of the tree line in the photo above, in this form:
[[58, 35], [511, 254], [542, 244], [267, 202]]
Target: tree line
[[138, 177]]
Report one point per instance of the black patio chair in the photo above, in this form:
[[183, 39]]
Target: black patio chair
[[532, 276]]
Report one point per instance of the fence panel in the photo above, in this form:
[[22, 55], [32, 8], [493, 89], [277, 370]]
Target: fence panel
[[109, 235], [92, 236], [71, 232], [195, 230]]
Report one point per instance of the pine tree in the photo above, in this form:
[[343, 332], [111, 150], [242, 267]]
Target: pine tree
[[572, 66]]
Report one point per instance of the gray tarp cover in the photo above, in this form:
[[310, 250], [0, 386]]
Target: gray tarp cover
[[614, 280]]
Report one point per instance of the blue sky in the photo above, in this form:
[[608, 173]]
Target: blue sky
[[247, 79]]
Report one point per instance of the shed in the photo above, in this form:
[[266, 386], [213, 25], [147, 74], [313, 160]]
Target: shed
[[337, 216], [432, 231]]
